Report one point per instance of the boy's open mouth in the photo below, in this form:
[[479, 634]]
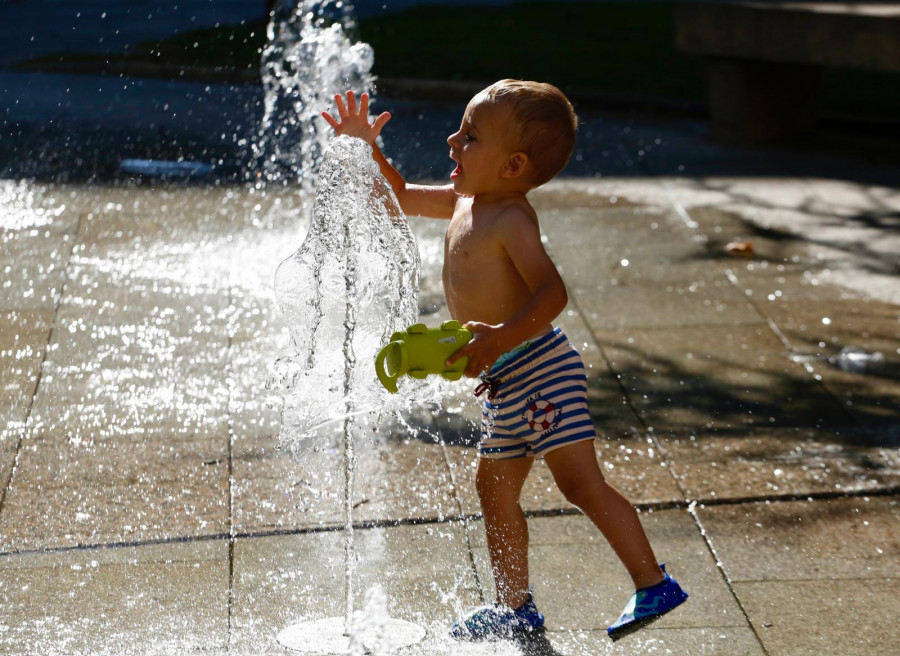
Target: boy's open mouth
[[457, 170]]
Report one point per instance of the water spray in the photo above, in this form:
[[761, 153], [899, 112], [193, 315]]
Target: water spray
[[352, 283]]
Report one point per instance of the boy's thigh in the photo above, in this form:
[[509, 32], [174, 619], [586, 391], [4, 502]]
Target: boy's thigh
[[574, 462], [505, 476]]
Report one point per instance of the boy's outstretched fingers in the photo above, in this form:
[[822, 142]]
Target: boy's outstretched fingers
[[349, 110], [380, 120], [354, 119], [364, 104], [331, 121]]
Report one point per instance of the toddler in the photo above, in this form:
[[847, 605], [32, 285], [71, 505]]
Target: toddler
[[501, 284]]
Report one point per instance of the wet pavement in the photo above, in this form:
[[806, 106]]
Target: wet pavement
[[747, 405]]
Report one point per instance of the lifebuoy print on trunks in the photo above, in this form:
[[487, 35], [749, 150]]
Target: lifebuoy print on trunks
[[539, 413]]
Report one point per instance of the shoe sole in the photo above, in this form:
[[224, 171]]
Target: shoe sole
[[628, 629]]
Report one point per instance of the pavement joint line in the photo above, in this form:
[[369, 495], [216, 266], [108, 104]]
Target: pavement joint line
[[893, 491], [618, 378], [40, 371], [229, 376], [817, 380], [647, 429], [694, 227], [467, 525], [720, 566]]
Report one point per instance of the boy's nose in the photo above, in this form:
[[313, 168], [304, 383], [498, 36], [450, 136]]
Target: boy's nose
[[452, 138]]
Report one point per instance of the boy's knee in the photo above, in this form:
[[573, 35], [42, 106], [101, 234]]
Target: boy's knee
[[572, 491], [579, 492]]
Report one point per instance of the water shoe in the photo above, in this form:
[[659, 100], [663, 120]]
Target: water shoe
[[647, 605], [498, 621]]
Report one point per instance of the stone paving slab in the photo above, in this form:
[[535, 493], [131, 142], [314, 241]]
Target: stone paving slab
[[802, 568], [777, 463], [652, 241], [723, 378], [158, 599], [800, 617], [852, 538], [112, 493], [850, 244], [648, 270]]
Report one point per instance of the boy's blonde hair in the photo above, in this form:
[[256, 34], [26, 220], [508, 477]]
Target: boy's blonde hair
[[545, 124]]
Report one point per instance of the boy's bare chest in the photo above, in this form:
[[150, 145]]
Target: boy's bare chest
[[467, 238]]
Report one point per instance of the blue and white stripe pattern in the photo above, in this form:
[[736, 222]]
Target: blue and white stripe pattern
[[538, 401]]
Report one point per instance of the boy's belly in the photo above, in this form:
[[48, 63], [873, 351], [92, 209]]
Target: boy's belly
[[491, 304]]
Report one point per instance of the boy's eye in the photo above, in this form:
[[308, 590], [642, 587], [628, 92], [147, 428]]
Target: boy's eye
[[468, 136]]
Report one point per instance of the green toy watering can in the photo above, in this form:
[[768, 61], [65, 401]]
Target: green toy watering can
[[419, 351]]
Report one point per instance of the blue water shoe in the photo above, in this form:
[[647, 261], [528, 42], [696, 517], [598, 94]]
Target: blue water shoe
[[647, 605], [498, 621]]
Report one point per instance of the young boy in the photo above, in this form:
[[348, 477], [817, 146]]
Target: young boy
[[501, 284]]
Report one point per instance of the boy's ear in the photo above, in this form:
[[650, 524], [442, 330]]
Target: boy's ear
[[515, 165]]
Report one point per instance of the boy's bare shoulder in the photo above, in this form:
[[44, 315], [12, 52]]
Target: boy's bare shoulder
[[516, 215]]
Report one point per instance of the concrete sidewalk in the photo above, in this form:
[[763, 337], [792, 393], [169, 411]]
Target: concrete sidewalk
[[747, 405]]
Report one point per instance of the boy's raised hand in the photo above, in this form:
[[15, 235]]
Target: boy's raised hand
[[354, 120]]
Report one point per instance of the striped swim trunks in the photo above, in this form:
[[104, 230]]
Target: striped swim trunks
[[537, 400]]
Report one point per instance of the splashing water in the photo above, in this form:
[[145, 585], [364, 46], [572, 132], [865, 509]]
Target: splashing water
[[355, 278], [308, 59], [353, 282]]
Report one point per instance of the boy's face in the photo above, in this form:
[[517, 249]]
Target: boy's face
[[480, 147]]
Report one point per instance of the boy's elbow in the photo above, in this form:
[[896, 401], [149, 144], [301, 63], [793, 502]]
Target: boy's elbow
[[560, 295], [563, 297], [406, 204]]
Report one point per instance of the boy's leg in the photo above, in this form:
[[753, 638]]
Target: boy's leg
[[499, 483], [576, 472]]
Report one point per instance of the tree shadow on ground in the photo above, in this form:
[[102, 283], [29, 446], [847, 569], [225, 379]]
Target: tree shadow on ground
[[668, 396], [869, 211]]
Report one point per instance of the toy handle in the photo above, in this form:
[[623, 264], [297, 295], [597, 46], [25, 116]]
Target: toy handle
[[390, 363]]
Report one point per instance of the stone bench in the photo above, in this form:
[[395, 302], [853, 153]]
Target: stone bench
[[762, 59]]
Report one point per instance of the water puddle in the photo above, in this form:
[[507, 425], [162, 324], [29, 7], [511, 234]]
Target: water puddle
[[851, 359]]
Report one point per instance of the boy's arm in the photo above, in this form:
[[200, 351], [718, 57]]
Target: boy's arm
[[520, 237], [419, 200]]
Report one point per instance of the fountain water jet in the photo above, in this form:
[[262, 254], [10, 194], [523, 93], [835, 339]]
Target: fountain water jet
[[352, 283], [307, 59]]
